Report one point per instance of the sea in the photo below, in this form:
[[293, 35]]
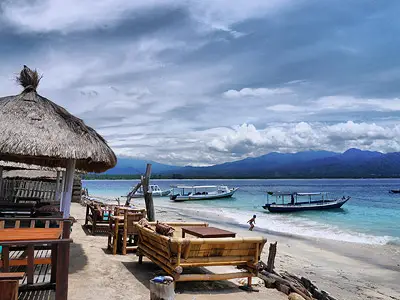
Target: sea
[[372, 216]]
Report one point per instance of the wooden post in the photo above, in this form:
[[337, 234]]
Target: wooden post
[[57, 198], [63, 265], [62, 196], [271, 257], [131, 193], [148, 197], [1, 183], [69, 183]]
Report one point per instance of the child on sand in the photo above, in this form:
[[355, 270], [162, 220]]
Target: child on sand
[[252, 221]]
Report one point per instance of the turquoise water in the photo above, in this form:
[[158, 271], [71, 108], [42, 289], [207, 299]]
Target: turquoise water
[[371, 216]]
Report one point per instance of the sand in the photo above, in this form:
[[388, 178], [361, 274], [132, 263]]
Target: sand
[[345, 270]]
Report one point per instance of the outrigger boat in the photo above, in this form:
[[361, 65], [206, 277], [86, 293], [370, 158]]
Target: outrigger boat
[[154, 189], [200, 192], [394, 191], [294, 204]]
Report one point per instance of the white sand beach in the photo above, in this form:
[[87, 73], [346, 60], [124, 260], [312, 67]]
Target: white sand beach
[[345, 270]]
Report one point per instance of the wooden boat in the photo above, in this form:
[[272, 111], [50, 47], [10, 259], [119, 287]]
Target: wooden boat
[[201, 192], [295, 204], [394, 191], [155, 191]]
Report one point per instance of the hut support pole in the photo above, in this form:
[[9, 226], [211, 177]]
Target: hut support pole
[[69, 183], [1, 182], [58, 186], [62, 189]]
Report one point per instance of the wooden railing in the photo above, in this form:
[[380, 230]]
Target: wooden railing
[[59, 259]]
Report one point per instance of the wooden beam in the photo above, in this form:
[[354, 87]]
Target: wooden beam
[[212, 277], [131, 193], [148, 197]]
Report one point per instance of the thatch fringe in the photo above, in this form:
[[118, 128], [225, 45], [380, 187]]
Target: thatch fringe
[[29, 79], [34, 130]]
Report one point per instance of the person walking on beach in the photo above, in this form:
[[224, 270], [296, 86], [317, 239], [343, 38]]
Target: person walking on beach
[[252, 221]]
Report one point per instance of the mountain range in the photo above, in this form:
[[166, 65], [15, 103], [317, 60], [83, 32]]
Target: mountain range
[[353, 163]]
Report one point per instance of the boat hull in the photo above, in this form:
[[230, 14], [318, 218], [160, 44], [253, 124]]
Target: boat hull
[[276, 208], [395, 191], [178, 198]]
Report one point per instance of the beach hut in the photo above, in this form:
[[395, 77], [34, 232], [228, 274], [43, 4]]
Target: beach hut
[[35, 130]]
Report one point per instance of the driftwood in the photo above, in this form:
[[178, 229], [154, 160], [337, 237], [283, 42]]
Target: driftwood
[[271, 257], [287, 282], [148, 196]]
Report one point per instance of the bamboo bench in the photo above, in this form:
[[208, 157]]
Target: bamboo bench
[[174, 254]]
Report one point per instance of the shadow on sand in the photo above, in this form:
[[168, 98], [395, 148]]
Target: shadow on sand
[[78, 259], [148, 270]]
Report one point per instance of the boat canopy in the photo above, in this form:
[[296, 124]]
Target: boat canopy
[[280, 193], [310, 194], [193, 186]]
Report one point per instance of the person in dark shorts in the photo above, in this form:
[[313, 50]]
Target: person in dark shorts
[[252, 221]]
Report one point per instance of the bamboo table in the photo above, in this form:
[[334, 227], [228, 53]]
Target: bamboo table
[[207, 232]]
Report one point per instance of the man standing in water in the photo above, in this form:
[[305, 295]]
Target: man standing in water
[[252, 221]]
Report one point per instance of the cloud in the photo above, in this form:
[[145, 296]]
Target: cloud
[[246, 140], [75, 15], [256, 92], [171, 80]]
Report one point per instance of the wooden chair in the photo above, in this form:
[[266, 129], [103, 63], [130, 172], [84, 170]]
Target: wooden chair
[[9, 283], [98, 216], [123, 228]]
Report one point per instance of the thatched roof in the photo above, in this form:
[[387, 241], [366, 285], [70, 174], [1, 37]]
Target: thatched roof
[[34, 130], [30, 174], [9, 165]]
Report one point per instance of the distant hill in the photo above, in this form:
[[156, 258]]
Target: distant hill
[[132, 166], [353, 163]]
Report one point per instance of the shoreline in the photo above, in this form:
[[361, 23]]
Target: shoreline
[[346, 270]]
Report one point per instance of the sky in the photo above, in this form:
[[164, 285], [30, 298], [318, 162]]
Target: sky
[[190, 82]]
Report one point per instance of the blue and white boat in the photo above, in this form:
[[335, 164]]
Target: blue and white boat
[[201, 192], [281, 202]]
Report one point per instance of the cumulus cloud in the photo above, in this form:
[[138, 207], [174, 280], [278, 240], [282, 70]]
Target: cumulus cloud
[[170, 80], [245, 140], [256, 92]]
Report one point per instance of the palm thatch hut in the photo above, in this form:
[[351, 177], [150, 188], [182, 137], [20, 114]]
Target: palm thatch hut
[[37, 131]]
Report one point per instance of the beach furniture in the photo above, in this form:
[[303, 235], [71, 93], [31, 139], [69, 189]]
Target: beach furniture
[[122, 228], [207, 232], [175, 254], [97, 217], [40, 249], [9, 285]]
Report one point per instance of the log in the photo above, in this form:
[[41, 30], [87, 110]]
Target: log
[[279, 280], [283, 288], [271, 257], [161, 291]]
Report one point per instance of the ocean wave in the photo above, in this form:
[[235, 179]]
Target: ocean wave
[[289, 226]]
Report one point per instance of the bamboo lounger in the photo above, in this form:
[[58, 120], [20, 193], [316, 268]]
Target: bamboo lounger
[[173, 254]]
